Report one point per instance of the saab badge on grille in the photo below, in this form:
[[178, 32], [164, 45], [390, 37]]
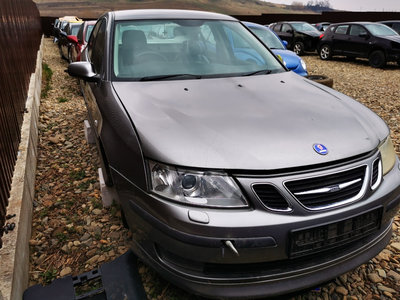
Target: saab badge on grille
[[320, 149]]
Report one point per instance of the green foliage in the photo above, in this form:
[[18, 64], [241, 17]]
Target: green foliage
[[47, 73], [77, 175], [62, 100], [49, 275]]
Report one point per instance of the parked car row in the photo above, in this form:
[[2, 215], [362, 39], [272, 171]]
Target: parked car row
[[376, 42], [237, 177], [71, 34]]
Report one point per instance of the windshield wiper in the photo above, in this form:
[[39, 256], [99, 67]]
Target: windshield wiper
[[259, 72], [170, 76]]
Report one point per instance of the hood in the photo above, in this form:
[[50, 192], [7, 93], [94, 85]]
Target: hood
[[291, 59], [393, 38], [262, 122], [311, 33]]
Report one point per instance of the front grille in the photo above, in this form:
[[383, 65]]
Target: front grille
[[329, 190], [376, 174], [316, 239], [270, 197]]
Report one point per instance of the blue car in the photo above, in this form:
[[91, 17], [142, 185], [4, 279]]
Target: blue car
[[292, 61]]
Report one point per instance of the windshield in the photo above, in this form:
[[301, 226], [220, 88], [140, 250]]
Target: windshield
[[268, 38], [75, 28], [304, 27], [186, 49], [380, 30], [88, 32]]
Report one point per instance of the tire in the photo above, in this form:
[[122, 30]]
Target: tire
[[69, 55], [322, 79], [377, 59], [298, 48], [325, 52]]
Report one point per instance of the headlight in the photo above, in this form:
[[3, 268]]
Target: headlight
[[209, 189], [388, 155], [281, 59], [303, 64]]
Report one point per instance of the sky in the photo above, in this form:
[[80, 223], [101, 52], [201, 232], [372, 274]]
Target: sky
[[355, 5]]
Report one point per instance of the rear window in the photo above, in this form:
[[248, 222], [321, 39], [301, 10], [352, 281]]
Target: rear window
[[342, 29]]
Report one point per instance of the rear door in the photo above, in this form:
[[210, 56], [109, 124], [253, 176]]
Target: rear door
[[339, 39], [287, 34]]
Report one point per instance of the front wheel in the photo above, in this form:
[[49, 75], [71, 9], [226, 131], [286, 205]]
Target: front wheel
[[325, 52], [298, 48], [377, 59]]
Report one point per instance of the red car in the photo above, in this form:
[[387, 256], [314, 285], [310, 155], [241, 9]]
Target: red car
[[80, 40]]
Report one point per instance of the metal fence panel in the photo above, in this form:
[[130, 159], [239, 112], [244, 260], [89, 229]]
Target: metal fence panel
[[20, 34]]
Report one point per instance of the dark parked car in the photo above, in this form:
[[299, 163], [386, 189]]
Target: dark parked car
[[374, 41], [394, 24], [322, 26], [237, 177], [292, 61], [301, 36], [79, 42], [64, 43]]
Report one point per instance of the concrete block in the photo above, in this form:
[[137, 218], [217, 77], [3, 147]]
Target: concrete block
[[108, 193], [89, 133]]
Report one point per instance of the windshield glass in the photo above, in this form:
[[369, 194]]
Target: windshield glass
[[88, 32], [75, 28], [268, 38], [380, 30], [184, 49], [304, 27]]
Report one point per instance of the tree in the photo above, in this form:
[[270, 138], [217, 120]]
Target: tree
[[297, 5]]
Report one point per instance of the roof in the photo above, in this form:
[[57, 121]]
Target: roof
[[140, 14]]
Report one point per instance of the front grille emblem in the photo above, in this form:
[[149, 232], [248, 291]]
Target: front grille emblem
[[320, 149]]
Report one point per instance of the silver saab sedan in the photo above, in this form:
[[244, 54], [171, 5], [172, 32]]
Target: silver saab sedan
[[236, 177]]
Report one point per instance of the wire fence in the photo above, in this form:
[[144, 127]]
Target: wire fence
[[20, 34]]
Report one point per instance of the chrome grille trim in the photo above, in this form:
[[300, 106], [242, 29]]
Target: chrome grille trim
[[379, 179], [365, 184]]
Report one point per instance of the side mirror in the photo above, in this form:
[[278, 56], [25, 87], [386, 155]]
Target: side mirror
[[364, 35], [83, 70], [285, 43], [72, 39]]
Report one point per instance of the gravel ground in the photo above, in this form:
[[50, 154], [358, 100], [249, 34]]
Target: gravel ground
[[72, 233]]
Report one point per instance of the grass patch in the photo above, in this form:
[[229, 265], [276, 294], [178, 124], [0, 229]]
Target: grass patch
[[62, 99], [62, 237], [77, 175], [49, 276], [47, 73]]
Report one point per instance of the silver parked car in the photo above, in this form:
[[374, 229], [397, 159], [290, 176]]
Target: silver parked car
[[237, 177]]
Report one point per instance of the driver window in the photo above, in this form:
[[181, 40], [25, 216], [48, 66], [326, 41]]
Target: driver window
[[286, 28]]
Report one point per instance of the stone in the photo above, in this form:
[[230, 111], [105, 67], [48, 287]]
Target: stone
[[85, 237], [97, 211], [373, 277], [93, 260], [396, 246], [341, 290], [65, 271], [394, 275], [386, 289], [381, 273]]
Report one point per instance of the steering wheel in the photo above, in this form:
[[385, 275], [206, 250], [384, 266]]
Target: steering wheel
[[151, 56]]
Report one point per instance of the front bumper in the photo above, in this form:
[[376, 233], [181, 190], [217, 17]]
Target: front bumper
[[186, 244]]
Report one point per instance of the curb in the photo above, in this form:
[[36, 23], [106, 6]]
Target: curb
[[14, 256]]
